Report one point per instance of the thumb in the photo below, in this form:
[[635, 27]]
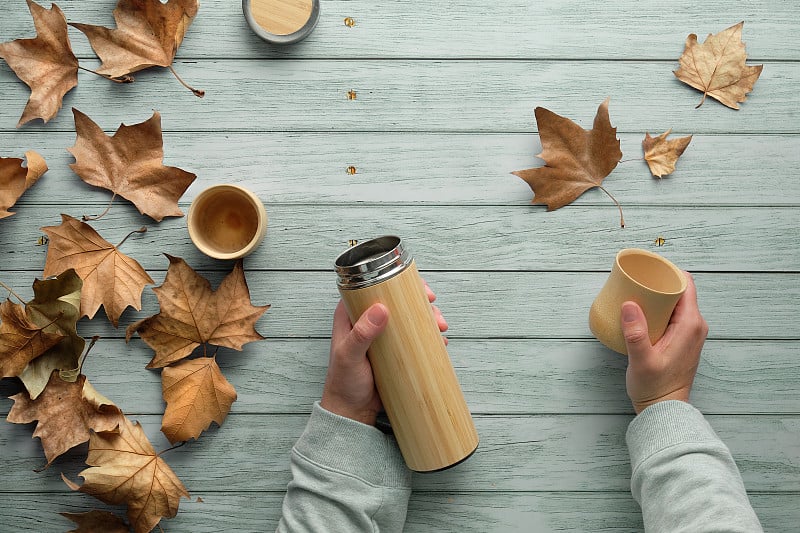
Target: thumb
[[634, 329], [366, 329]]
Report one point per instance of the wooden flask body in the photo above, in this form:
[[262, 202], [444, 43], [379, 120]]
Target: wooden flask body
[[413, 374]]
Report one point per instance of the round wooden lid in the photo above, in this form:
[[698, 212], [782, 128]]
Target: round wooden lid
[[281, 17]]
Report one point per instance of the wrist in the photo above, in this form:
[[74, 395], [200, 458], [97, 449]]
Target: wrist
[[364, 415]]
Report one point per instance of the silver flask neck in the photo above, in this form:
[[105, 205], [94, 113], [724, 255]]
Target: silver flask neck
[[371, 262]]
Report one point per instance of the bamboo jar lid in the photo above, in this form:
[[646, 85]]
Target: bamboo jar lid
[[281, 21]]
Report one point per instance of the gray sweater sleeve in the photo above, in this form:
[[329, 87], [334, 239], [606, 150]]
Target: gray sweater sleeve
[[683, 476], [346, 476]]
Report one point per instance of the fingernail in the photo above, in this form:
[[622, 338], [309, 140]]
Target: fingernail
[[629, 313], [377, 315]]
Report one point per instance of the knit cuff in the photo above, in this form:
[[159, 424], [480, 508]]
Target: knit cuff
[[665, 424], [353, 448]]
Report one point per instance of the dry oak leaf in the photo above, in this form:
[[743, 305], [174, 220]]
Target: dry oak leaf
[[717, 67], [97, 522], [196, 394], [110, 278], [148, 34], [65, 413], [662, 154], [576, 160], [192, 314], [130, 164], [56, 307], [21, 341], [16, 179], [125, 470], [46, 63]]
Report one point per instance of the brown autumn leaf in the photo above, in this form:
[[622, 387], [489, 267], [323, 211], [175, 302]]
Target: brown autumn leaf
[[126, 470], [21, 341], [717, 67], [196, 394], [192, 314], [576, 160], [65, 413], [148, 34], [130, 164], [46, 63], [56, 306], [16, 179], [97, 522], [110, 278], [662, 154]]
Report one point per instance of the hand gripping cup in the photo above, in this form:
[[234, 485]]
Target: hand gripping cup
[[416, 382]]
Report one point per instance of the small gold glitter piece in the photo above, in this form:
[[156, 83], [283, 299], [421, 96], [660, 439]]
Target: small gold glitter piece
[[351, 94], [351, 170], [42, 240], [352, 242], [349, 22], [660, 241]]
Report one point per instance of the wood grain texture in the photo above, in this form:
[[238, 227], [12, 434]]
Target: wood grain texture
[[573, 29], [405, 95]]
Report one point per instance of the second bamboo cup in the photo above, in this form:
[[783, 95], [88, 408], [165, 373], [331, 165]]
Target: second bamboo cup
[[413, 374]]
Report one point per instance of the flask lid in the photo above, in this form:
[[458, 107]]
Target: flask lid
[[371, 262]]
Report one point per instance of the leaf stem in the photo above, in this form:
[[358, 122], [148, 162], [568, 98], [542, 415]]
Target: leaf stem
[[629, 160], [86, 218], [621, 218], [172, 448], [701, 101], [143, 229], [86, 353], [197, 92], [11, 291], [122, 79]]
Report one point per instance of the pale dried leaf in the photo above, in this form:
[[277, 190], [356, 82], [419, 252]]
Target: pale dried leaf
[[661, 154], [15, 179]]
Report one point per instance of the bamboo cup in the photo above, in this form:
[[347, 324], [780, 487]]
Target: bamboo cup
[[281, 21], [642, 277], [226, 221], [413, 374]]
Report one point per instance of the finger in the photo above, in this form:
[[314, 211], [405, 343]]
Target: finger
[[634, 328], [366, 329], [686, 308], [446, 341], [429, 292], [341, 322], [440, 320]]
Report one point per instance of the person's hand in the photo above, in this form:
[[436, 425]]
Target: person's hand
[[349, 386], [666, 370]]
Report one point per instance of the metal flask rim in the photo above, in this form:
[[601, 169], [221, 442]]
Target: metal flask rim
[[371, 262]]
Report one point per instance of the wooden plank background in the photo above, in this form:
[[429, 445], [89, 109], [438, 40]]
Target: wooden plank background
[[443, 114]]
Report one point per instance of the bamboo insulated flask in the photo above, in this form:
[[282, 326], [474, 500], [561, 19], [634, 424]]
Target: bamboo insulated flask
[[416, 382]]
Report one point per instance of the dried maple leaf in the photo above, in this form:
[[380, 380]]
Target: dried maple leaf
[[125, 469], [717, 67], [196, 393], [46, 63], [56, 307], [16, 179], [148, 34], [110, 278], [65, 413], [662, 154], [21, 341], [192, 314], [96, 522], [130, 164], [576, 160]]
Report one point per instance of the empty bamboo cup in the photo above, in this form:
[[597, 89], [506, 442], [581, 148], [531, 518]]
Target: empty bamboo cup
[[281, 21], [645, 278], [413, 374]]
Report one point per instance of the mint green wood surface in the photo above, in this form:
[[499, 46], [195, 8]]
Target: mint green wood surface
[[443, 114]]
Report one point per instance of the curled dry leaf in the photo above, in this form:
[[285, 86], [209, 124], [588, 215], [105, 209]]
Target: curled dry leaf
[[717, 67], [192, 314], [196, 394], [148, 34], [576, 160], [662, 154], [56, 307], [130, 164], [110, 278], [97, 521], [21, 341], [65, 413], [16, 179], [46, 63], [125, 470]]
